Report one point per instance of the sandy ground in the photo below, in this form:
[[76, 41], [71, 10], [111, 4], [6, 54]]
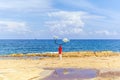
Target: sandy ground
[[85, 62], [27, 69], [21, 70]]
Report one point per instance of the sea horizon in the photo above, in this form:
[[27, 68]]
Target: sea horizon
[[10, 46], [61, 39]]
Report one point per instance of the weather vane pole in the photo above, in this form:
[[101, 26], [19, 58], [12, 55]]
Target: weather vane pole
[[65, 40]]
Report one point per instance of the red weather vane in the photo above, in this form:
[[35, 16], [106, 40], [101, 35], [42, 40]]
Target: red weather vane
[[64, 40]]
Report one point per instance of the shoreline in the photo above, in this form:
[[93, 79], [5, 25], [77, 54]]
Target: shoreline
[[37, 54], [65, 54]]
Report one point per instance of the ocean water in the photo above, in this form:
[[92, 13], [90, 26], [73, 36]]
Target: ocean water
[[42, 46]]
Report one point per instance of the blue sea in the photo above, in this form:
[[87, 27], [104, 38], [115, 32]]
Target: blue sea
[[43, 46]]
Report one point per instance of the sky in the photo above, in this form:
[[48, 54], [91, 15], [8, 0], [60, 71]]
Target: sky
[[73, 19]]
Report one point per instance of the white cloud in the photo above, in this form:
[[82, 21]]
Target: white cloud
[[69, 22], [14, 27], [25, 5], [65, 22], [106, 32]]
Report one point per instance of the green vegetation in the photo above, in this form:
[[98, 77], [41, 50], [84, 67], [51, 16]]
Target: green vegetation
[[71, 54]]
